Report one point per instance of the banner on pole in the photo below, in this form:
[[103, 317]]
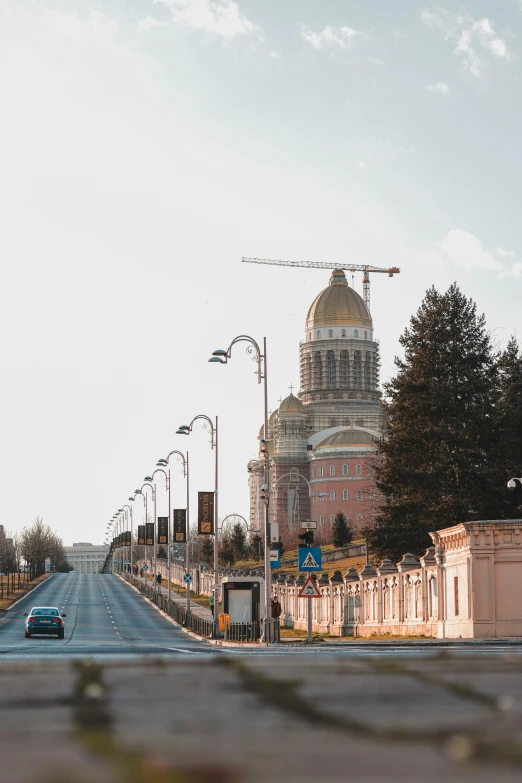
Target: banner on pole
[[141, 535], [149, 533], [180, 525], [163, 530], [205, 513]]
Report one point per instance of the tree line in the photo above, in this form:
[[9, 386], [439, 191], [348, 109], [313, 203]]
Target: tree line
[[454, 428]]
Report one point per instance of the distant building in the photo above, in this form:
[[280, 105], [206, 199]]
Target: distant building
[[322, 443], [86, 558]]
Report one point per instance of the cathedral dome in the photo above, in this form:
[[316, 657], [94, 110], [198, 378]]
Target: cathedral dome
[[291, 405], [338, 304], [347, 438]]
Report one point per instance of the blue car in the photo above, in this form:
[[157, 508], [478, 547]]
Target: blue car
[[46, 620]]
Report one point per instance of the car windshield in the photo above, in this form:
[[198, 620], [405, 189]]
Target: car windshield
[[42, 612]]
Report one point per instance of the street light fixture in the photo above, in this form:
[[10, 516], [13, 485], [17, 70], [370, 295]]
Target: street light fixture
[[163, 463], [186, 429], [222, 356]]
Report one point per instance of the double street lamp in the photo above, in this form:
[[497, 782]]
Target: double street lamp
[[163, 463], [221, 356], [186, 429]]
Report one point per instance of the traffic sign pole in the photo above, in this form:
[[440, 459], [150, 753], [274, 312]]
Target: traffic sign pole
[[309, 619]]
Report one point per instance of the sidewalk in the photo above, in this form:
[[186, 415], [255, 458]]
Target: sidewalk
[[180, 600]]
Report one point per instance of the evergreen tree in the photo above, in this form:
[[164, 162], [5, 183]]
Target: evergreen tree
[[510, 423], [437, 465], [341, 533], [226, 556], [256, 547], [238, 541], [207, 550]]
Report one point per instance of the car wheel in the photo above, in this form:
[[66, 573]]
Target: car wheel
[[27, 635], [61, 635]]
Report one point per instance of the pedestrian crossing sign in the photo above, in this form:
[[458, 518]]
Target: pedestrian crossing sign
[[309, 589], [309, 558]]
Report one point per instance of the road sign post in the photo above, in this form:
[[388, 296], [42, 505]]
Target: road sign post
[[309, 590]]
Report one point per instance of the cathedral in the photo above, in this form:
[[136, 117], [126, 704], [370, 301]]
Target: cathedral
[[321, 443]]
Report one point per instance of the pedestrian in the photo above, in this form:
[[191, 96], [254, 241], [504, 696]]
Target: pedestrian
[[211, 602], [141, 572], [276, 608], [159, 579]]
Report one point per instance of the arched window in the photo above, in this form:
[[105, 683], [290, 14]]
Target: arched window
[[359, 517], [345, 494], [344, 370], [358, 470], [343, 333], [332, 519], [358, 494], [332, 470], [321, 471], [366, 335], [355, 333], [332, 494], [330, 332], [345, 470], [313, 472], [322, 521], [294, 474], [319, 335], [372, 494]]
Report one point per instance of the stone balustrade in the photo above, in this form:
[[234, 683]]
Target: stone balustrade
[[468, 584]]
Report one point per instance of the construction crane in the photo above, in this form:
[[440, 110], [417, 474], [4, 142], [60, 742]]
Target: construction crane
[[364, 268]]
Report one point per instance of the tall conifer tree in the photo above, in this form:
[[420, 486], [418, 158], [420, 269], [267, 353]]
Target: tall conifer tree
[[435, 465], [510, 423]]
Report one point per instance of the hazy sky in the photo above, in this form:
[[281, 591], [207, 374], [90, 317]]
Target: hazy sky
[[147, 145]]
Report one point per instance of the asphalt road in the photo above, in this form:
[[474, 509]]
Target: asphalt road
[[105, 616]]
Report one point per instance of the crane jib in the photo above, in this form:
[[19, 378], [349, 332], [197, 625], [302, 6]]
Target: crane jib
[[365, 268]]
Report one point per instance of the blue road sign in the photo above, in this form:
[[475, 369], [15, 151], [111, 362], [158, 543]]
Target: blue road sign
[[309, 558], [145, 568], [275, 558], [187, 578]]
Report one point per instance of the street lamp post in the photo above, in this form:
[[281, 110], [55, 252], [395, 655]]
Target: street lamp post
[[128, 515], [145, 498], [167, 482], [186, 429], [221, 356], [185, 462]]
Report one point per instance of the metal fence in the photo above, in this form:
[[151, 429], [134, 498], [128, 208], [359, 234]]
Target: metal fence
[[269, 630]]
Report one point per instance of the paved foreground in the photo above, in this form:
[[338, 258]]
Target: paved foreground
[[228, 719]]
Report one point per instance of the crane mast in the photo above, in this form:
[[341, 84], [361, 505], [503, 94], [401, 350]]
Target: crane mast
[[364, 268]]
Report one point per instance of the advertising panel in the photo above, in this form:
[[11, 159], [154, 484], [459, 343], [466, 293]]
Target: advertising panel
[[205, 513], [163, 530], [149, 534], [180, 525]]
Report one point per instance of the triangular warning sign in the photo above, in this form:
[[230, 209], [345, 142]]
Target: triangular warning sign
[[309, 589], [309, 562]]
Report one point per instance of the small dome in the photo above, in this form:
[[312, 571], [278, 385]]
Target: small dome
[[291, 405], [338, 304], [347, 438]]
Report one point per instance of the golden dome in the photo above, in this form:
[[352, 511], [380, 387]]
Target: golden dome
[[347, 438], [291, 405], [338, 304]]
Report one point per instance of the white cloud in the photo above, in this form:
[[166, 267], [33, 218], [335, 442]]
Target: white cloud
[[474, 39], [275, 55], [330, 37], [361, 164], [219, 17], [148, 23], [439, 87], [464, 250]]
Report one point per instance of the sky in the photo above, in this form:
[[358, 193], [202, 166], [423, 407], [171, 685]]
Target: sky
[[147, 145]]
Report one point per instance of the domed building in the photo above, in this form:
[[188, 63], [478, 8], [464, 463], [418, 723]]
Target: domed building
[[321, 442]]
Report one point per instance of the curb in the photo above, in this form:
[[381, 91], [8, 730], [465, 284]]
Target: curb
[[23, 597]]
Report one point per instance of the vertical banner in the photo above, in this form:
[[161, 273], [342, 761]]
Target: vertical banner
[[163, 530], [180, 525], [141, 535], [129, 538], [149, 534], [205, 513]]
